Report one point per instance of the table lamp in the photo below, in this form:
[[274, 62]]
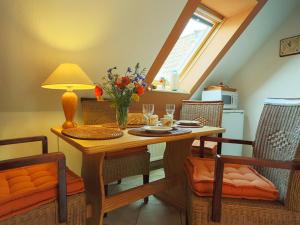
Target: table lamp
[[68, 77]]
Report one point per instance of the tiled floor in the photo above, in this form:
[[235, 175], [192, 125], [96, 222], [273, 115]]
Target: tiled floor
[[155, 212]]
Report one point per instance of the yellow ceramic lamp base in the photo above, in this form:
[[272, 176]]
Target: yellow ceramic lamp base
[[69, 103]]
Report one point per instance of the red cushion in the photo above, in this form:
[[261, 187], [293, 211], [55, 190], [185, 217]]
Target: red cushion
[[239, 181], [25, 188]]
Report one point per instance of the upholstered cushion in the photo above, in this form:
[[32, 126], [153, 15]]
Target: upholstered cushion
[[126, 152], [239, 181], [24, 188], [209, 147]]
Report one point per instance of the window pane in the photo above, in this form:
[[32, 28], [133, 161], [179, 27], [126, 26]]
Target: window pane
[[189, 41]]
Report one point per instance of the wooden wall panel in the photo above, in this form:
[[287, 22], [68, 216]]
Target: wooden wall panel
[[159, 99]]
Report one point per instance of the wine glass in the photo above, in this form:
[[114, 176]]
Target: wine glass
[[170, 109], [148, 110]]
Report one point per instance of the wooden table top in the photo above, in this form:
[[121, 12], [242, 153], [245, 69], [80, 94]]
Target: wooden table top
[[130, 141]]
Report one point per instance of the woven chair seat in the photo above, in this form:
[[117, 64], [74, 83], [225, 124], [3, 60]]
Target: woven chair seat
[[126, 152], [116, 168], [240, 212], [277, 138], [47, 214]]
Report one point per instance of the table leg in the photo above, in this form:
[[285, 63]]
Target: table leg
[[92, 167], [174, 157]]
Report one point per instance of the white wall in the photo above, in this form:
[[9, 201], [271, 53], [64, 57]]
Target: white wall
[[268, 75], [36, 36], [251, 40]]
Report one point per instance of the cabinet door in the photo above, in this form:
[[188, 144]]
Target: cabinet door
[[233, 122]]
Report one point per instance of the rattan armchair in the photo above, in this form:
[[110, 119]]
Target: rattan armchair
[[276, 156], [208, 113], [65, 210], [129, 162]]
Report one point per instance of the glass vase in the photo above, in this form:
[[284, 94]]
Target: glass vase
[[122, 116]]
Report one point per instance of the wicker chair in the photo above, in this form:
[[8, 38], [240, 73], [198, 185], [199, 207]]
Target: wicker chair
[[126, 163], [65, 210], [208, 113], [276, 152]]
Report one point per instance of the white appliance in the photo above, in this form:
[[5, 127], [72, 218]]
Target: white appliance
[[233, 122], [230, 98]]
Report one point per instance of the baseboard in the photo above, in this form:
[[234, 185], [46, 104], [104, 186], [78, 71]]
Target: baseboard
[[157, 164]]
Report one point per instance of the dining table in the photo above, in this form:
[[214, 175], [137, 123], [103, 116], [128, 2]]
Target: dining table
[[171, 188]]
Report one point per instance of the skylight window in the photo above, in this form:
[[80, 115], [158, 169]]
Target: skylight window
[[187, 46]]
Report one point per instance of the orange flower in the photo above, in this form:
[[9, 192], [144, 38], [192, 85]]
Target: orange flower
[[139, 89]]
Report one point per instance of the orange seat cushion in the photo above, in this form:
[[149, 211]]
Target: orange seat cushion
[[126, 152], [209, 147], [24, 188], [239, 181]]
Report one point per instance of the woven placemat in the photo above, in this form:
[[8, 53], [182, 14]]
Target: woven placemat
[[142, 132], [92, 133], [190, 126], [114, 125]]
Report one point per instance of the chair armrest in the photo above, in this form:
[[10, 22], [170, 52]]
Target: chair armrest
[[220, 140], [43, 139], [61, 170], [226, 140], [219, 169]]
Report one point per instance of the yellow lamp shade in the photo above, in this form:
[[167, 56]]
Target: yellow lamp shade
[[68, 76]]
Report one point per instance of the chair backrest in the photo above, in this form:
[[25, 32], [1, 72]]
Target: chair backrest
[[209, 113], [97, 112], [278, 138]]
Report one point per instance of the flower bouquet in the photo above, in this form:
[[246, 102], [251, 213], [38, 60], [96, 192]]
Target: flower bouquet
[[123, 90]]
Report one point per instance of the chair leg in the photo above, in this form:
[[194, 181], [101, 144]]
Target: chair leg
[[120, 181], [146, 181], [186, 218], [106, 194]]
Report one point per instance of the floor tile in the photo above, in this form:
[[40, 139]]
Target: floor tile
[[155, 212], [127, 215], [158, 213]]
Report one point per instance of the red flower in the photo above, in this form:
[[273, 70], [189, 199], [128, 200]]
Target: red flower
[[123, 82], [98, 92], [139, 89]]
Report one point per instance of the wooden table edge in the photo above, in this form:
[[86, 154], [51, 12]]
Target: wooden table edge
[[151, 140]]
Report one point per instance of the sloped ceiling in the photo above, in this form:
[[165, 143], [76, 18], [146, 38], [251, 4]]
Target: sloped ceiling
[[256, 34], [36, 36], [229, 8]]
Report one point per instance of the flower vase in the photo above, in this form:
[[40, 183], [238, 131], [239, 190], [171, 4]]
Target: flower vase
[[122, 116]]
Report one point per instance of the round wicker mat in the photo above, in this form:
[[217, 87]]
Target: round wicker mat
[[142, 132], [114, 125], [189, 126], [92, 133]]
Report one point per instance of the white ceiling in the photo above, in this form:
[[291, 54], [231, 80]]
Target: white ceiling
[[256, 34]]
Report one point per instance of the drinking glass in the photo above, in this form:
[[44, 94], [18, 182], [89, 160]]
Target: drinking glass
[[148, 110], [170, 109]]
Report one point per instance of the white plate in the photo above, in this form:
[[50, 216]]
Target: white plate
[[188, 122], [157, 129]]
